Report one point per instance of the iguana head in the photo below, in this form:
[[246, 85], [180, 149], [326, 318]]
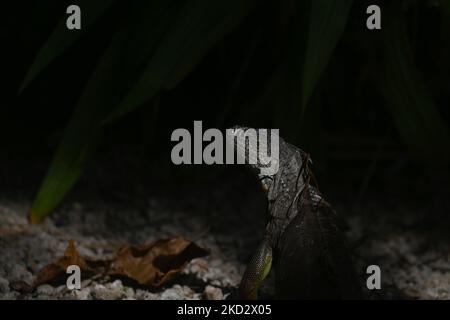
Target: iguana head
[[258, 148], [277, 163], [284, 186]]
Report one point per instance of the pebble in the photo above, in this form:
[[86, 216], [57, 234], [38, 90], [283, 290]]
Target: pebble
[[111, 291], [178, 292], [213, 293], [45, 289], [4, 285], [83, 294]]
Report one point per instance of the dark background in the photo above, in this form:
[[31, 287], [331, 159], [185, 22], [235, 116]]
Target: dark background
[[352, 125]]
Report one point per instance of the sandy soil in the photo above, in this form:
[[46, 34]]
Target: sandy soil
[[411, 246]]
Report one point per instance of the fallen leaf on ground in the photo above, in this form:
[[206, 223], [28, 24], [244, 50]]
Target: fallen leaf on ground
[[54, 271], [149, 265], [155, 264]]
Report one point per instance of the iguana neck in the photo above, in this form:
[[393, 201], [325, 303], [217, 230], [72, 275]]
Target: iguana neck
[[290, 188]]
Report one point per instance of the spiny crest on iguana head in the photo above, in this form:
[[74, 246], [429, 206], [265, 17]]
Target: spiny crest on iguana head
[[253, 147], [257, 148]]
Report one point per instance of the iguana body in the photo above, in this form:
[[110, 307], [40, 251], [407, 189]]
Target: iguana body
[[303, 239]]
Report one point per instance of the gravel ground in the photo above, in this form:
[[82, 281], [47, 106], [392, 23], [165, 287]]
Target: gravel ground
[[26, 249], [411, 247]]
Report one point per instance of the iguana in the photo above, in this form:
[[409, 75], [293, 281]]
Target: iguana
[[303, 239]]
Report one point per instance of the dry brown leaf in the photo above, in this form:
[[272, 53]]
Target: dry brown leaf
[[151, 265], [55, 271], [155, 264]]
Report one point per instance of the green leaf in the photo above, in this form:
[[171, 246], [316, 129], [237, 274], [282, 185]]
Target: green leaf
[[78, 140], [65, 169], [200, 25], [61, 39], [410, 103], [328, 19], [117, 70]]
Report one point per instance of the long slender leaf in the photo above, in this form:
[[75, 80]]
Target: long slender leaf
[[200, 25], [61, 39], [118, 67], [328, 19], [411, 105], [77, 142]]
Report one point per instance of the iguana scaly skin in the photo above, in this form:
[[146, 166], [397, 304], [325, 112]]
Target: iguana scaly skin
[[303, 238]]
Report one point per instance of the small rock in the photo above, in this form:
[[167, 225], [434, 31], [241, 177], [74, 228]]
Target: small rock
[[178, 292], [9, 296], [213, 293], [102, 293], [129, 293], [145, 295], [45, 290], [61, 289], [83, 294], [111, 292], [4, 285]]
